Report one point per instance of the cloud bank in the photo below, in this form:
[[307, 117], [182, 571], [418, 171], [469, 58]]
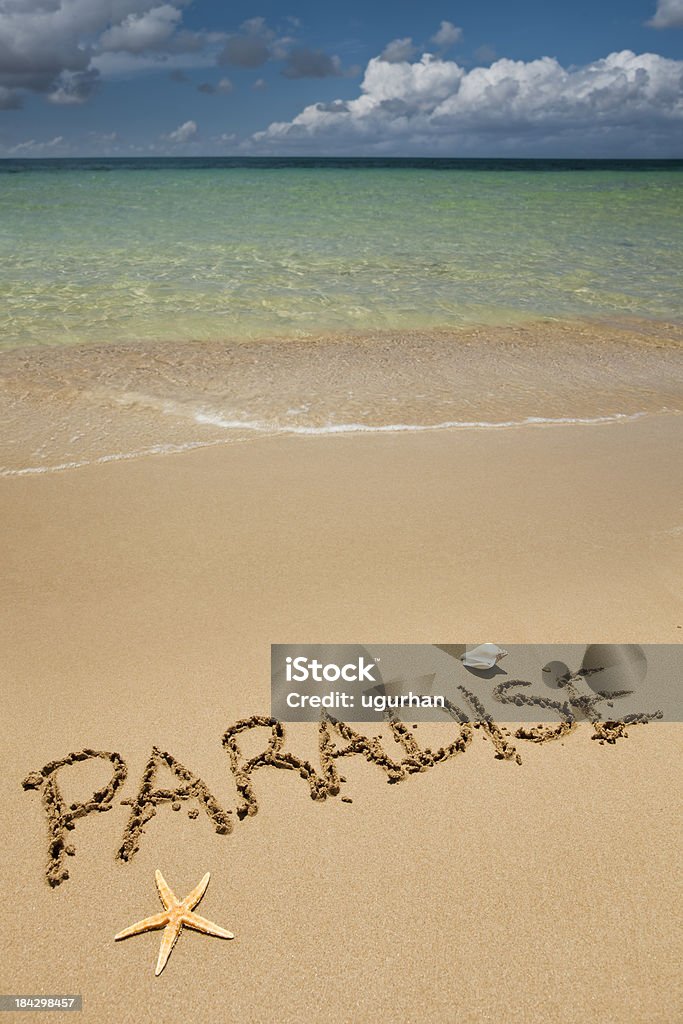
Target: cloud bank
[[58, 47], [62, 48], [627, 102]]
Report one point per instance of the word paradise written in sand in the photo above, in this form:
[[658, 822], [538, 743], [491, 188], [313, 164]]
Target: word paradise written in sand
[[336, 740]]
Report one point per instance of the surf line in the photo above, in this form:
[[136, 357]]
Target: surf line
[[336, 740]]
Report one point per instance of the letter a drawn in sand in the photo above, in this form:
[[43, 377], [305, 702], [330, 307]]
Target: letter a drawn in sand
[[143, 807]]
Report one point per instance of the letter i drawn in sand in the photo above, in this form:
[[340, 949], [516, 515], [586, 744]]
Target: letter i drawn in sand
[[177, 914]]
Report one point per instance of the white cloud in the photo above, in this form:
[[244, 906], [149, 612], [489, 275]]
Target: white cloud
[[226, 139], [447, 36], [187, 132], [104, 138], [139, 32], [95, 143], [669, 14], [624, 101], [399, 50], [33, 148]]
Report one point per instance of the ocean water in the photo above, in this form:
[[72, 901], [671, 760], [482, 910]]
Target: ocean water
[[155, 305], [111, 251]]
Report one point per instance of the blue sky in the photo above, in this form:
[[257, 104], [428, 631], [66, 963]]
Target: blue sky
[[189, 77]]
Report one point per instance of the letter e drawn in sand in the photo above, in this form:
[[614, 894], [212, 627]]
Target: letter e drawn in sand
[[62, 819]]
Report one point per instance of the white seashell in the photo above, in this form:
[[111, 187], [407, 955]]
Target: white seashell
[[483, 657]]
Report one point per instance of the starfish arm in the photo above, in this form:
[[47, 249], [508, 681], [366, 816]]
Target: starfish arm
[[167, 895], [167, 943], [200, 924], [193, 898], [148, 925]]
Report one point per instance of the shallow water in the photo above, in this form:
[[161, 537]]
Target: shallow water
[[66, 406], [152, 306], [111, 251]]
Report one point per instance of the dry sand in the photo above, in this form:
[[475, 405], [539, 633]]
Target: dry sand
[[139, 602]]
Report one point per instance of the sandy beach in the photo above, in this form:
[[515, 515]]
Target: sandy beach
[[139, 602]]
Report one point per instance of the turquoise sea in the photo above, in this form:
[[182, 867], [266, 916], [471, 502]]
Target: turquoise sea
[[111, 250], [154, 305]]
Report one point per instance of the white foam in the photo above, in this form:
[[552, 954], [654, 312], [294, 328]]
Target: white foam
[[157, 449], [216, 420], [270, 429]]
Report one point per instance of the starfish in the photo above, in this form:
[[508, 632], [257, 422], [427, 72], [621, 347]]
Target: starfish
[[176, 914]]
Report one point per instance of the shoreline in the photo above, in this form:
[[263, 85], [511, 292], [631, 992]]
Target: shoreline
[[353, 430], [65, 406]]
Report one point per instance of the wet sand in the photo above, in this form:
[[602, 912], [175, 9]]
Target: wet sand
[[139, 602], [69, 405]]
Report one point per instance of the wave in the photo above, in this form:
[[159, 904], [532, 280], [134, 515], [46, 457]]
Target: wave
[[273, 430], [157, 449], [215, 420]]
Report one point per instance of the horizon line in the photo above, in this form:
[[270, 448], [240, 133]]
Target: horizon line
[[352, 156]]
